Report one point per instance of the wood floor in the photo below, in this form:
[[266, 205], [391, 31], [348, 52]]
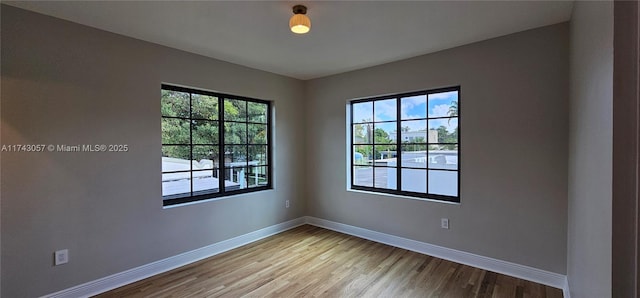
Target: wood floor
[[313, 262]]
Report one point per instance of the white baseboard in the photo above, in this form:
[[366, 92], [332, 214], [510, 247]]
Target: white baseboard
[[126, 277], [565, 289], [512, 269]]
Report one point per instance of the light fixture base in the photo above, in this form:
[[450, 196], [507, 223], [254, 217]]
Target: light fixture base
[[300, 9]]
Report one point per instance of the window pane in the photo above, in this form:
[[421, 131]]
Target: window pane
[[235, 156], [444, 104], [363, 176], [204, 107], [257, 134], [362, 133], [235, 178], [176, 184], [204, 132], [443, 182], [204, 157], [383, 132], [425, 125], [362, 112], [175, 104], [414, 180], [206, 138], [362, 154], [385, 155], [414, 156], [257, 176], [413, 107], [235, 110], [443, 157], [175, 131], [413, 131], [257, 112], [235, 133], [443, 130], [385, 110], [176, 158], [385, 177], [205, 182], [258, 155]]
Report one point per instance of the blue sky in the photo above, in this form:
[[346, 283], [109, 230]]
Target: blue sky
[[411, 108]]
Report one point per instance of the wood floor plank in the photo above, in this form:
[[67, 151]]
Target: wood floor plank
[[313, 262]]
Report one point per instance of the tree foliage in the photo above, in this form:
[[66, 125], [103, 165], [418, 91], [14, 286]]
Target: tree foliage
[[445, 137], [191, 128], [384, 146], [453, 109]]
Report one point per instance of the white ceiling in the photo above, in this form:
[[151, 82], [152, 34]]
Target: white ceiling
[[345, 35]]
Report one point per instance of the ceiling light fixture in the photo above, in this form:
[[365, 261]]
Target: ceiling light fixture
[[299, 22]]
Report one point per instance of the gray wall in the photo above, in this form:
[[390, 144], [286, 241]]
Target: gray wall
[[64, 83], [68, 84], [514, 131], [590, 147]]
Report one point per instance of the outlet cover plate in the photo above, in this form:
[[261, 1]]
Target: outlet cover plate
[[444, 223], [61, 257]]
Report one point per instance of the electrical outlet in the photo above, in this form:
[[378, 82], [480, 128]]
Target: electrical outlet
[[286, 204], [444, 223], [61, 257]]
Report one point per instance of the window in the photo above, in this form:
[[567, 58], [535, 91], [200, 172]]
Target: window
[[407, 144], [213, 145]]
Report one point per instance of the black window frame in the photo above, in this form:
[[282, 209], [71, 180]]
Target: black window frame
[[193, 196], [398, 143]]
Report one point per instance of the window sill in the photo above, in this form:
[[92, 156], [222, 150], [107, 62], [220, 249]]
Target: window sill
[[403, 197], [217, 198]]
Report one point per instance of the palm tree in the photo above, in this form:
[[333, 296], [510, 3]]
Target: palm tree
[[453, 110]]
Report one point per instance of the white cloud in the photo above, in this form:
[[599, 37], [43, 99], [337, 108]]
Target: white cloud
[[408, 103], [439, 111], [362, 112], [407, 116], [414, 100], [385, 110]]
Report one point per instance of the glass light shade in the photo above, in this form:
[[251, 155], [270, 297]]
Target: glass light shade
[[300, 24]]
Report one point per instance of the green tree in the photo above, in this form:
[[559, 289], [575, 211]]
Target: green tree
[[453, 110], [175, 104], [442, 134], [445, 137], [383, 144], [175, 131], [249, 127], [381, 136], [204, 107], [245, 123], [358, 134]]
